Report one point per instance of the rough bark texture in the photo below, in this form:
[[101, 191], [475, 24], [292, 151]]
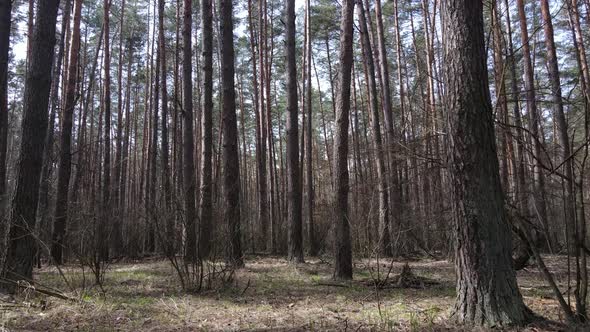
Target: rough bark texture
[[487, 292], [188, 144], [21, 248], [342, 240], [5, 20], [230, 154], [43, 209], [206, 132], [294, 216], [65, 160]]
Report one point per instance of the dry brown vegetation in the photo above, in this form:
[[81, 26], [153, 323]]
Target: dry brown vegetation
[[269, 294]]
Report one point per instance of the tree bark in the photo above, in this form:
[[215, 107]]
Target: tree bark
[[21, 247], [311, 229], [188, 145], [102, 232], [294, 216], [65, 160], [166, 184], [342, 244], [43, 213], [487, 292], [206, 132], [5, 22], [230, 154]]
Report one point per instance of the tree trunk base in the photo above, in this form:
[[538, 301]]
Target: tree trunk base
[[495, 312]]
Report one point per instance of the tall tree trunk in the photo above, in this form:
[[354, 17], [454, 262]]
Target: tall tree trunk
[[166, 184], [231, 158], [65, 160], [153, 153], [487, 292], [43, 213], [271, 166], [294, 217], [5, 21], [188, 137], [102, 246], [260, 132], [21, 246], [342, 240], [311, 229], [206, 221]]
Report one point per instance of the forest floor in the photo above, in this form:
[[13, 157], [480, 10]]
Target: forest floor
[[268, 294]]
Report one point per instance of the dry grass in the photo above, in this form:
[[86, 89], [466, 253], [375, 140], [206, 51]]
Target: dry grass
[[268, 294]]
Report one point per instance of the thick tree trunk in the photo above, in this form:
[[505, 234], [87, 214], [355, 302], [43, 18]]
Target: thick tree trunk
[[21, 247], [230, 154], [43, 213], [342, 240], [487, 292], [65, 160], [294, 215]]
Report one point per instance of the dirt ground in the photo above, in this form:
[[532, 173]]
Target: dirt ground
[[267, 295]]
